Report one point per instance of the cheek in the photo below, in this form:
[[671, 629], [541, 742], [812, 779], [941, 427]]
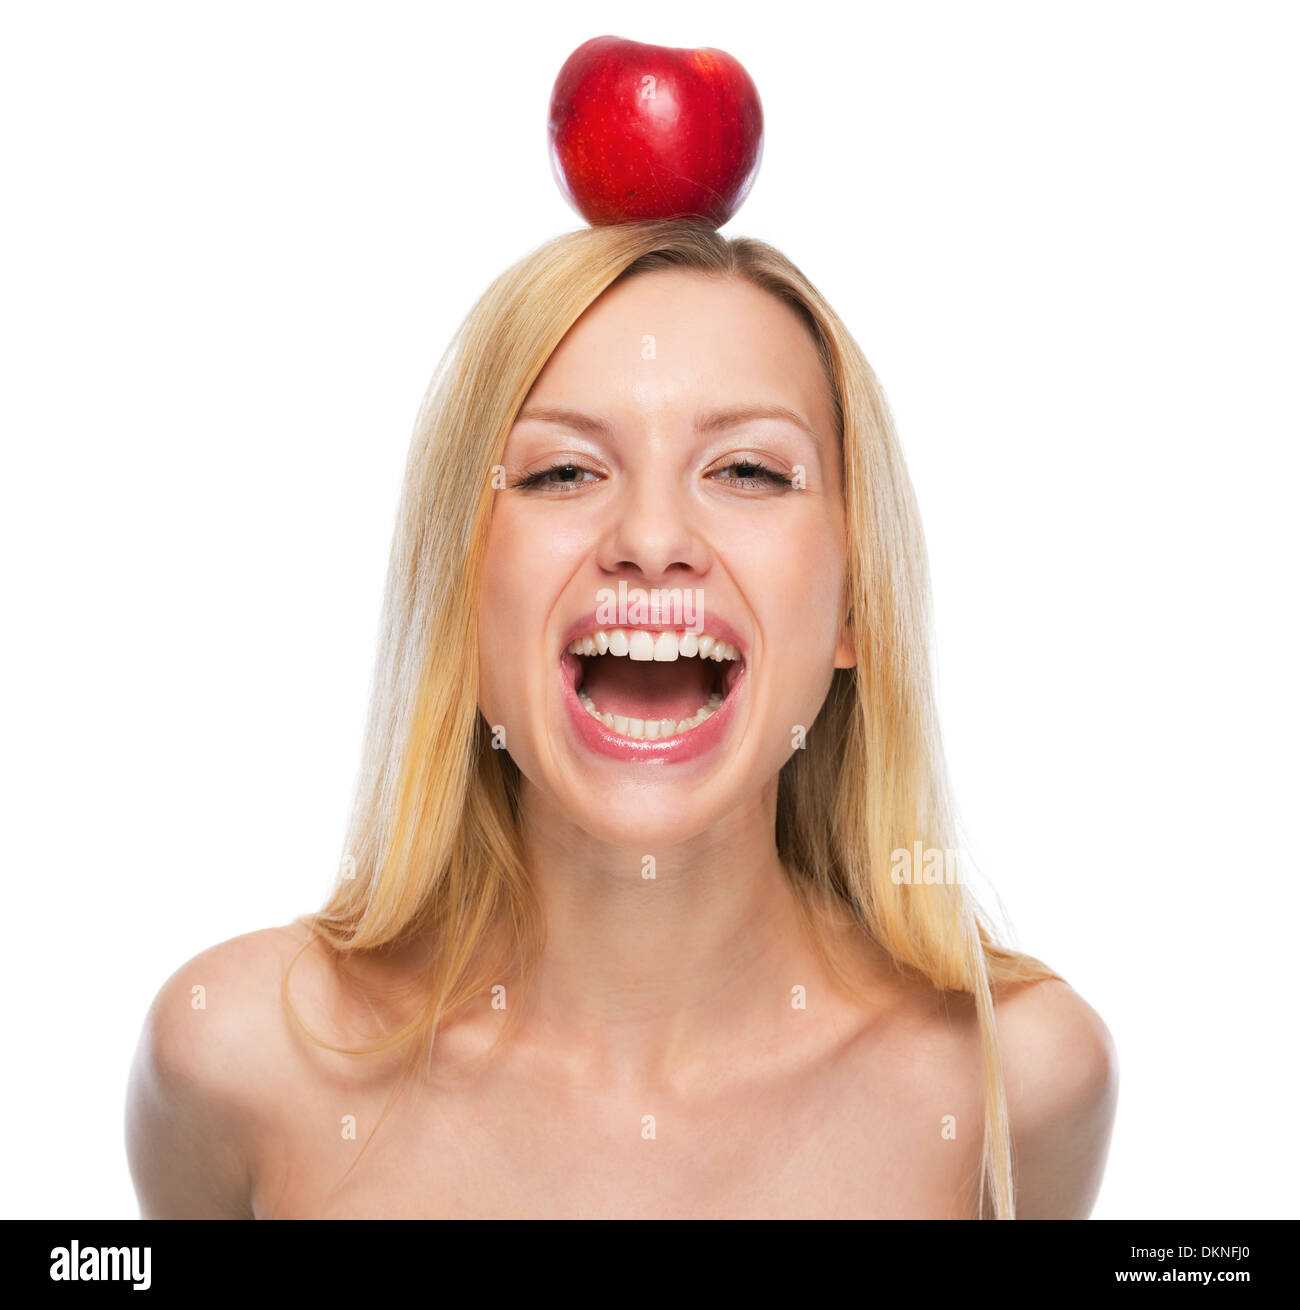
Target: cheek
[[793, 580], [524, 572], [793, 577], [503, 597]]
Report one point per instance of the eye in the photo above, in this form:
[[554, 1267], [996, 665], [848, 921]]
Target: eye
[[752, 473], [557, 477]]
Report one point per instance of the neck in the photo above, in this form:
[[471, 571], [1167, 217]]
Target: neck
[[642, 977]]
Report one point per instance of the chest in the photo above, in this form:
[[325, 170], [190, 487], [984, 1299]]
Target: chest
[[828, 1147]]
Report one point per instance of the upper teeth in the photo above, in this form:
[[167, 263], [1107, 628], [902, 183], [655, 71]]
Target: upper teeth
[[638, 644]]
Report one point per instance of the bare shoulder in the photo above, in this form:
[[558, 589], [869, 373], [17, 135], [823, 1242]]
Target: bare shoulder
[[212, 1019], [214, 1046], [1062, 1080]]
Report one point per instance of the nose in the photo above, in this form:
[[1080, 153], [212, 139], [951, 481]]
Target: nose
[[655, 532]]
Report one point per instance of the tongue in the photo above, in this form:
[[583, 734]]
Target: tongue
[[648, 689]]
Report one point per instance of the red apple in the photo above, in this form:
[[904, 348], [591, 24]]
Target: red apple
[[649, 131]]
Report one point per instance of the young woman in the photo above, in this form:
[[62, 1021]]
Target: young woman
[[649, 905]]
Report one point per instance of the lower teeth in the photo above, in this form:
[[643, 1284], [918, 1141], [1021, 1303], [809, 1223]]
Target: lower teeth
[[650, 729]]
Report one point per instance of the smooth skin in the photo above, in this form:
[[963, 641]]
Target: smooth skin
[[659, 1068]]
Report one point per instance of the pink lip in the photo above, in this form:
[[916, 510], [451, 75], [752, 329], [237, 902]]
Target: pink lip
[[671, 750]]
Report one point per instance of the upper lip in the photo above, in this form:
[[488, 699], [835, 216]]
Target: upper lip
[[709, 622]]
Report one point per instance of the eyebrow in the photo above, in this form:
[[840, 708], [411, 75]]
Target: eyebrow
[[716, 420]]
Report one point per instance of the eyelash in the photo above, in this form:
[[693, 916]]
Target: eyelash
[[771, 476], [533, 479]]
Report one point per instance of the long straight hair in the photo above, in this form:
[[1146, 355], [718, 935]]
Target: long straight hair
[[433, 852]]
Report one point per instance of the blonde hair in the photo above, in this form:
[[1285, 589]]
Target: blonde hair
[[433, 849]]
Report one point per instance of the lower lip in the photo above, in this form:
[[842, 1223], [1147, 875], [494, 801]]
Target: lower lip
[[676, 749]]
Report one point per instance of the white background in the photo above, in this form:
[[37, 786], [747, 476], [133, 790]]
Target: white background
[[237, 237]]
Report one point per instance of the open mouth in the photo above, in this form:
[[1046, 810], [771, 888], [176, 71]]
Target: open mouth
[[652, 685]]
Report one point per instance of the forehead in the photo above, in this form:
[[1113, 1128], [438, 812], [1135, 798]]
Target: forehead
[[678, 339]]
